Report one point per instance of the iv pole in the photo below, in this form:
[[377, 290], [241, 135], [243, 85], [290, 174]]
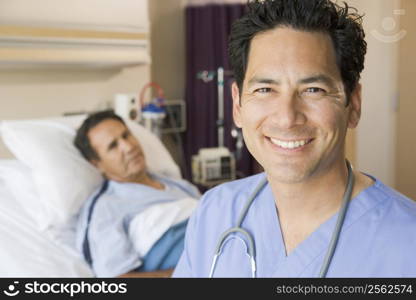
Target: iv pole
[[208, 76], [220, 121]]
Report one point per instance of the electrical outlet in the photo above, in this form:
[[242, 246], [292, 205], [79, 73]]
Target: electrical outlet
[[127, 106]]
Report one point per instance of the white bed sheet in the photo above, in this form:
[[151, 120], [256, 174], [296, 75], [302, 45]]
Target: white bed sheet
[[27, 252]]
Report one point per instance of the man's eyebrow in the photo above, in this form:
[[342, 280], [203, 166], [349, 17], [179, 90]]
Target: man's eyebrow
[[318, 78], [256, 80], [310, 79]]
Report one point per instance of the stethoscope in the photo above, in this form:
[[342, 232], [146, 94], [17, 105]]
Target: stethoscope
[[250, 245]]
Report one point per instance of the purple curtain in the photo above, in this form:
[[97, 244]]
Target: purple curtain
[[207, 30]]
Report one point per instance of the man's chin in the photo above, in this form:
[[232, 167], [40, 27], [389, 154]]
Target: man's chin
[[137, 169], [289, 174], [137, 164]]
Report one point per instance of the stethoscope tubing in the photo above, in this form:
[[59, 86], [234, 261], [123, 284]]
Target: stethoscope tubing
[[251, 245]]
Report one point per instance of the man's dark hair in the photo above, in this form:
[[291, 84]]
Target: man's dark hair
[[82, 142], [343, 24]]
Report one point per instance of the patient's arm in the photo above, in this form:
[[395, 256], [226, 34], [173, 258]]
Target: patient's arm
[[155, 274]]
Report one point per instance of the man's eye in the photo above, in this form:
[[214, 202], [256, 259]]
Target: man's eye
[[263, 90], [112, 145], [314, 90], [126, 135]]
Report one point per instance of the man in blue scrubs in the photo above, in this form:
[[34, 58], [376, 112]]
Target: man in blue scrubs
[[297, 66]]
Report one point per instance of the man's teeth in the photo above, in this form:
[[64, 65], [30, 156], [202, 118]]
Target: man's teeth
[[289, 145]]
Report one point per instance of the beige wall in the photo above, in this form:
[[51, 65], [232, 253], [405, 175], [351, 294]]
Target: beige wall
[[406, 136], [167, 43], [115, 14], [41, 91], [376, 133], [27, 94]]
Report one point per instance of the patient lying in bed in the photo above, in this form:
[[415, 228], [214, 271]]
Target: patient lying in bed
[[136, 221]]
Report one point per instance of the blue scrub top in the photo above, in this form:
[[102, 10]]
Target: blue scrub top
[[378, 238]]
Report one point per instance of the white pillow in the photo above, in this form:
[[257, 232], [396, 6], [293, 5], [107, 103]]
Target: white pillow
[[63, 178], [158, 158]]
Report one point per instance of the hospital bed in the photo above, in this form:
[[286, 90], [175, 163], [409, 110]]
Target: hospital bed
[[42, 190]]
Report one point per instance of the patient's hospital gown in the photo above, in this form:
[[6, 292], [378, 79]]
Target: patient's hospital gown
[[378, 238], [128, 219]]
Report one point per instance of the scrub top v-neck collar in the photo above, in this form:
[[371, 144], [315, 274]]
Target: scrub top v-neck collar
[[272, 259]]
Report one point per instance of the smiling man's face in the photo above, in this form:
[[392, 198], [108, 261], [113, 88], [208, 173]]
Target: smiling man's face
[[120, 155], [292, 107]]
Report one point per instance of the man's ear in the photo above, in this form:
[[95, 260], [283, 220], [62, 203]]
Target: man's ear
[[355, 107], [235, 92]]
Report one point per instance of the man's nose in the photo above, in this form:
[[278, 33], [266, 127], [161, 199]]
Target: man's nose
[[289, 111], [126, 145]]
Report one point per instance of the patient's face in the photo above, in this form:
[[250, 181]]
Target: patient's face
[[121, 156]]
